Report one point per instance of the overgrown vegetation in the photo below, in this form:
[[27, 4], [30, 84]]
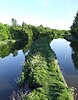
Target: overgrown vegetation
[[74, 27], [27, 32], [41, 69], [43, 74], [11, 47]]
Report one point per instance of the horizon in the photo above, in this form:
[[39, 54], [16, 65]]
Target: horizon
[[53, 14]]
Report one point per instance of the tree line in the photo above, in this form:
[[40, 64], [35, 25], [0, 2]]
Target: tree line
[[31, 33], [27, 32], [74, 26]]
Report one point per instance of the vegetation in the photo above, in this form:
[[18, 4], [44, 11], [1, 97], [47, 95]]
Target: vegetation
[[11, 47], [14, 32], [74, 27], [74, 46], [43, 75], [4, 32], [72, 35], [27, 32], [41, 69]]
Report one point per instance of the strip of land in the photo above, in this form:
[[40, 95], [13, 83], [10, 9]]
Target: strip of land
[[43, 74]]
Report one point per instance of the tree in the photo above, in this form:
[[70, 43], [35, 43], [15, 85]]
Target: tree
[[74, 27], [14, 22], [4, 31]]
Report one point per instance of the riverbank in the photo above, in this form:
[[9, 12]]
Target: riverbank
[[70, 38], [43, 74]]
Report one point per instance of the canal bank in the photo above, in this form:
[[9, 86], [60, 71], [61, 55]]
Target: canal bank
[[43, 74]]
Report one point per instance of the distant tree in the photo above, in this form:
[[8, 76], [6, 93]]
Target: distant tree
[[23, 24], [24, 27], [74, 27], [14, 22]]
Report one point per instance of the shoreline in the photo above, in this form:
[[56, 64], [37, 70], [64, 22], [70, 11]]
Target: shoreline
[[70, 38], [44, 75]]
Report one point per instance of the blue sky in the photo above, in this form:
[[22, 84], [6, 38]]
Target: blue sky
[[57, 14]]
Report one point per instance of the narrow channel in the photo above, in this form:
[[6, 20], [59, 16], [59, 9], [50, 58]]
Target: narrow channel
[[67, 55], [12, 57]]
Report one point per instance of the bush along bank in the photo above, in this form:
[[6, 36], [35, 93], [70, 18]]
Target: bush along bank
[[43, 74]]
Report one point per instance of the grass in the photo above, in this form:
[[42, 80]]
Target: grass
[[43, 74]]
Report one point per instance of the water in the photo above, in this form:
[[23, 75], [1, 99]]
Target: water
[[12, 57], [67, 55]]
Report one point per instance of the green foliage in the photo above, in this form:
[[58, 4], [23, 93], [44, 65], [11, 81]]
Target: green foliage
[[74, 46], [42, 72], [18, 33], [8, 47], [27, 32], [31, 31], [12, 32], [4, 32], [74, 27], [41, 69]]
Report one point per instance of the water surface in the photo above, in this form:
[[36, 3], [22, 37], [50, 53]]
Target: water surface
[[12, 57], [67, 55]]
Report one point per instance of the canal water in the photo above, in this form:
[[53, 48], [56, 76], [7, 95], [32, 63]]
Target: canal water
[[67, 55], [12, 58]]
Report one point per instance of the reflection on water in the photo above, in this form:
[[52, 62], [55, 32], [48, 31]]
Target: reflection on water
[[74, 46], [67, 55], [13, 55], [12, 58], [10, 47]]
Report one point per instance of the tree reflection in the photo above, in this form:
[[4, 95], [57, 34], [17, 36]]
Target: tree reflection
[[74, 46], [7, 49]]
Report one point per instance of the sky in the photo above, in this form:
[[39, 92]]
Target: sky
[[56, 14]]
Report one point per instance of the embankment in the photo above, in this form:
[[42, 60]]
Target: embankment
[[71, 38], [43, 74]]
